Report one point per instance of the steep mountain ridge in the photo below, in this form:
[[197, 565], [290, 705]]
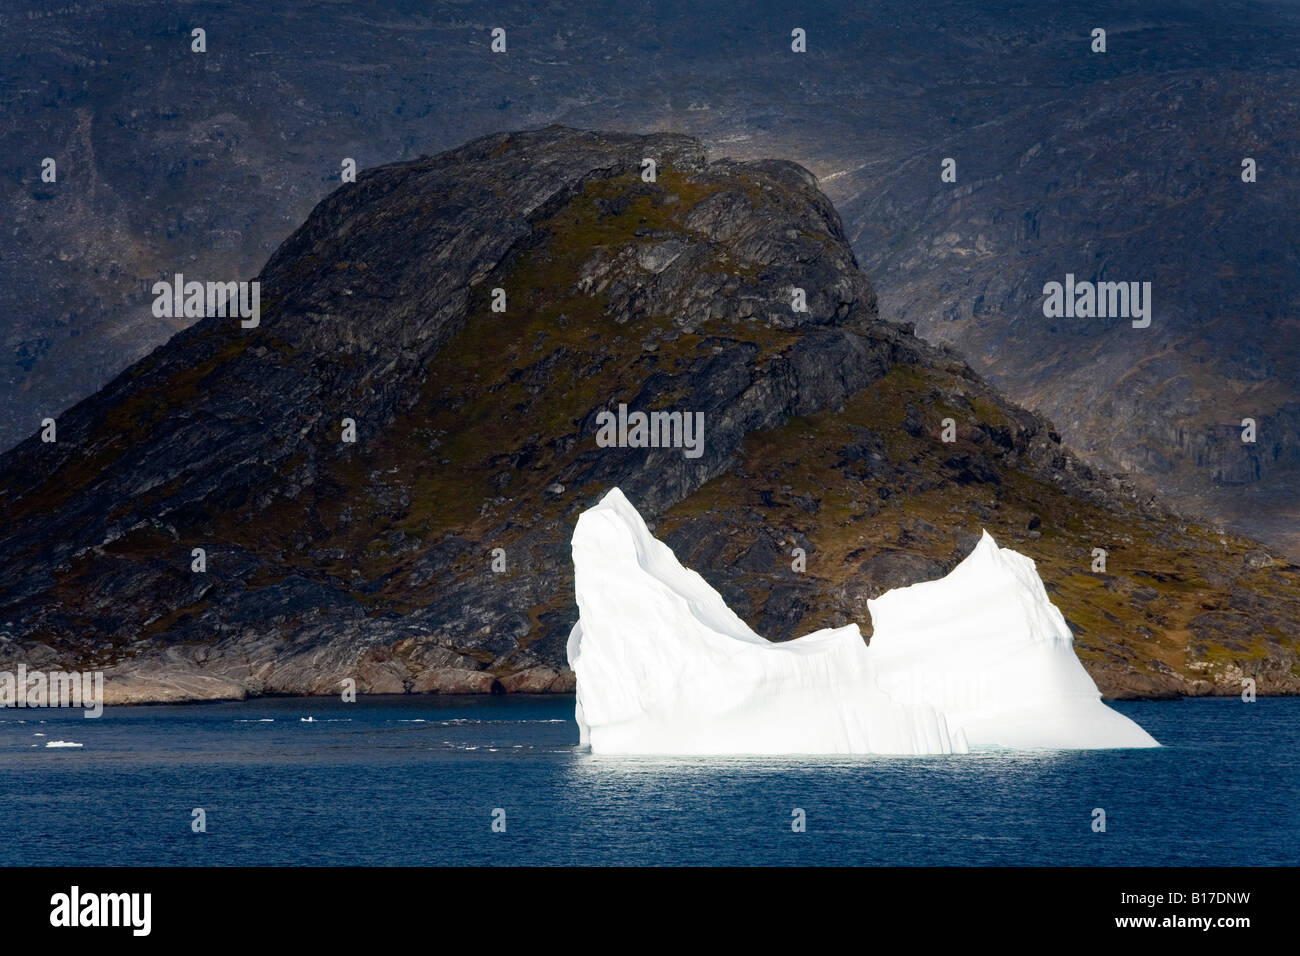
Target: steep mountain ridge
[[432, 552]]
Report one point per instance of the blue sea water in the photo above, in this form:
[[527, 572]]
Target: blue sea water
[[415, 780]]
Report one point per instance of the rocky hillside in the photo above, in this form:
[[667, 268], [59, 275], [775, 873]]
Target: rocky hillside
[[431, 553], [1123, 165], [1164, 402]]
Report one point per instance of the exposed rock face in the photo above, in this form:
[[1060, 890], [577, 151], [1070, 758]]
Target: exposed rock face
[[1088, 196], [1118, 166], [431, 554]]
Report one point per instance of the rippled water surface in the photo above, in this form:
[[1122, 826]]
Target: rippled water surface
[[416, 780]]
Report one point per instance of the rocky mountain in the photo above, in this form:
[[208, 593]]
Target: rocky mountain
[[1120, 165], [469, 318]]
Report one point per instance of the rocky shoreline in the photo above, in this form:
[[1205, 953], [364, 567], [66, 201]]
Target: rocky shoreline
[[178, 680]]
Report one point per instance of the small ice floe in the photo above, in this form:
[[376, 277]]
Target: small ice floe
[[38, 735], [63, 743]]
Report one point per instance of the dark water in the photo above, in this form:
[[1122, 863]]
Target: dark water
[[369, 783]]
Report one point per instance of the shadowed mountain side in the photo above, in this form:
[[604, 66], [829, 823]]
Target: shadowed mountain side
[[1123, 165]]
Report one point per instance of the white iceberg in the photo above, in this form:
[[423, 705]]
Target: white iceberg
[[978, 659]]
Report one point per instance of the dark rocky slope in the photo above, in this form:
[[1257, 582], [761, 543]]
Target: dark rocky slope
[[1124, 165], [475, 432]]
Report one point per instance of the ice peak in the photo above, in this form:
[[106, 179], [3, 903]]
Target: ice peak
[[985, 549], [615, 500]]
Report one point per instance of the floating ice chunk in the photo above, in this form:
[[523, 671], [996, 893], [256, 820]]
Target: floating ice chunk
[[63, 743], [664, 666]]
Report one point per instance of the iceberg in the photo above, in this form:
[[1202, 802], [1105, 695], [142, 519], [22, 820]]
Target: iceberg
[[978, 659]]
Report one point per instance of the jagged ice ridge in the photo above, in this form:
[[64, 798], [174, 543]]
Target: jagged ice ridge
[[978, 659]]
